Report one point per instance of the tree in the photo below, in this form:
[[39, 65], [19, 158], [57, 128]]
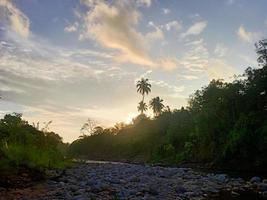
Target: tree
[[88, 127], [143, 87], [261, 50], [156, 105], [142, 107]]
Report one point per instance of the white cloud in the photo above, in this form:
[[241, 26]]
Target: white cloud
[[168, 63], [169, 90], [72, 27], [113, 26], [247, 36], [16, 20], [197, 60], [188, 77], [220, 69], [175, 25], [220, 50], [155, 35], [166, 11], [195, 29]]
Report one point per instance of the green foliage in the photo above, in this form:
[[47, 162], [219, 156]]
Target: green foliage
[[224, 124], [24, 145]]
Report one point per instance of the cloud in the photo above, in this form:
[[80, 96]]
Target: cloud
[[188, 77], [113, 26], [220, 69], [166, 11], [247, 36], [72, 27], [14, 19], [167, 90], [197, 60], [168, 63], [196, 57], [155, 35], [220, 50], [175, 25], [195, 29], [244, 35]]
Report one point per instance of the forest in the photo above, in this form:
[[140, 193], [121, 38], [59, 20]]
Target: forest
[[223, 126]]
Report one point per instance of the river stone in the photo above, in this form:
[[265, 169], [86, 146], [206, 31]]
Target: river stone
[[221, 177], [255, 179], [153, 190], [180, 189], [235, 194]]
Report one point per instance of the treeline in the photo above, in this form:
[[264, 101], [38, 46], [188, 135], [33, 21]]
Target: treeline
[[28, 146], [224, 124]]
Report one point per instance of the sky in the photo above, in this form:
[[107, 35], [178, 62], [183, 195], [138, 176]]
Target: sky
[[69, 60]]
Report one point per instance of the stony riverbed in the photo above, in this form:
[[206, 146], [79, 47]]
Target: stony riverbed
[[129, 181]]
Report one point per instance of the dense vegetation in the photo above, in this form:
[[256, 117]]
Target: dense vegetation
[[224, 124], [24, 145]]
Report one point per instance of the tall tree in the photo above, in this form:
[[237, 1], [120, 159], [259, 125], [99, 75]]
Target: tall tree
[[142, 107], [156, 105], [143, 87], [261, 50]]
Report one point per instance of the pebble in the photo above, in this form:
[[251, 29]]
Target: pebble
[[128, 181], [255, 179]]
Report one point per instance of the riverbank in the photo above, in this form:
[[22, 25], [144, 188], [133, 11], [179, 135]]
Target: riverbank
[[104, 180]]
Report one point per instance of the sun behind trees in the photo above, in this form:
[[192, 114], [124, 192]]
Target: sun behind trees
[[224, 124]]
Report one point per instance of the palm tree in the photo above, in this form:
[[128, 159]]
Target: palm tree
[[143, 87], [142, 107], [156, 105]]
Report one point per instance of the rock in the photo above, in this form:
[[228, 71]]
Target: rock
[[235, 194], [264, 194], [264, 180], [80, 197], [221, 178], [180, 189], [210, 189], [262, 187], [153, 190], [135, 179], [255, 179]]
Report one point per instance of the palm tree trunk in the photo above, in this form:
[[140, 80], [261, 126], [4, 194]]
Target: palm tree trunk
[[142, 111]]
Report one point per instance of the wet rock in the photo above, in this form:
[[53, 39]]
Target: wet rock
[[255, 179], [235, 194], [180, 189], [221, 178], [209, 189], [153, 190]]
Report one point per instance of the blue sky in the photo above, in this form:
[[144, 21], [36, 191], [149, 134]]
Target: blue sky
[[67, 60]]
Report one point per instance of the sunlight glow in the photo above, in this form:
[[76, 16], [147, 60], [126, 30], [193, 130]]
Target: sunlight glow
[[130, 118]]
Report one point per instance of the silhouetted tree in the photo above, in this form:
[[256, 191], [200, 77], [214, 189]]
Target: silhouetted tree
[[261, 50], [143, 87], [142, 107], [156, 105]]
